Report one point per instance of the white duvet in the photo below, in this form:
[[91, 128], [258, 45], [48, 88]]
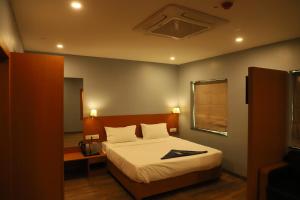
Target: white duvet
[[141, 160]]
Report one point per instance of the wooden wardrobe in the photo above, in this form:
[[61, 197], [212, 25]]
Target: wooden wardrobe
[[31, 124], [267, 123]]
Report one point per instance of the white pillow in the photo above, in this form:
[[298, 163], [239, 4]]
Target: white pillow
[[152, 131], [121, 134]]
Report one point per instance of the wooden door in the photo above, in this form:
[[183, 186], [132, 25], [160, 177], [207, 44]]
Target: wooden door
[[268, 122], [37, 126], [5, 159]]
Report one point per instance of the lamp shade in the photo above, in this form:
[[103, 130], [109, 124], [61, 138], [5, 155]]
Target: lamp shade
[[176, 110], [93, 113]]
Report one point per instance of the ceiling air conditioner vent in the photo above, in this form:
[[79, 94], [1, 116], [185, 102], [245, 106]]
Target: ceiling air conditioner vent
[[178, 22]]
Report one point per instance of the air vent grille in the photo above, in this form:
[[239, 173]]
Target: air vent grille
[[179, 29], [178, 22]]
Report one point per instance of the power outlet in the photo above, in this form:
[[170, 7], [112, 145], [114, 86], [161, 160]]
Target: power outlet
[[173, 130], [94, 137]]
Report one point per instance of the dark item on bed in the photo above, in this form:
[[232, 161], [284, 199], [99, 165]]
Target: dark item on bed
[[180, 153], [142, 190]]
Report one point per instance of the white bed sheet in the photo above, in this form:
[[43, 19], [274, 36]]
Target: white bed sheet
[[141, 160]]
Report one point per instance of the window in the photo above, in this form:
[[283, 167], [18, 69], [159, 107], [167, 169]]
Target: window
[[295, 139], [209, 106]]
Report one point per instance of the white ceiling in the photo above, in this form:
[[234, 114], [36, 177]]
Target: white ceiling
[[103, 28]]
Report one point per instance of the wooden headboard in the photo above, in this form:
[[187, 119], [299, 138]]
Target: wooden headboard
[[96, 125]]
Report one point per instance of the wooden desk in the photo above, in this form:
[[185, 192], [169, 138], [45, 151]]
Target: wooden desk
[[79, 156], [80, 164]]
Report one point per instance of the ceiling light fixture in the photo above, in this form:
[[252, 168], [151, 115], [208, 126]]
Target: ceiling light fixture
[[76, 5], [239, 39], [60, 46], [172, 58]]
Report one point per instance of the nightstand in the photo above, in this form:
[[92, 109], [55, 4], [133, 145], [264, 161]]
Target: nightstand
[[96, 165], [77, 165]]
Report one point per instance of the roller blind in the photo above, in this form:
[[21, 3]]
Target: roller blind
[[210, 106]]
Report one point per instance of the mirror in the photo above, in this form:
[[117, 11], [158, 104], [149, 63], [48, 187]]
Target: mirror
[[73, 111]]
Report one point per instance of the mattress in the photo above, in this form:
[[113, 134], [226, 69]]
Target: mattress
[[141, 160]]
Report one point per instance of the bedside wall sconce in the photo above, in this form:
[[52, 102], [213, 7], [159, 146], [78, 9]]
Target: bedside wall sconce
[[93, 113], [176, 110]]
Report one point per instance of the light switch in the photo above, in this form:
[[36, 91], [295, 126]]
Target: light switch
[[94, 137], [173, 130]]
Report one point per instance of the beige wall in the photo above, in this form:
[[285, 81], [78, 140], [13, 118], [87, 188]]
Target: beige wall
[[118, 87], [284, 55], [121, 87], [9, 35]]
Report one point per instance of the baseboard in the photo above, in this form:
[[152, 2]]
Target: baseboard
[[235, 174]]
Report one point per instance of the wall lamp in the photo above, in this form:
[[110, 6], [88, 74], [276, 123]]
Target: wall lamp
[[93, 113], [176, 110]]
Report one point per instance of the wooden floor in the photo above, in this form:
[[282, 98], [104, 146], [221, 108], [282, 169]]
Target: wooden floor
[[105, 187]]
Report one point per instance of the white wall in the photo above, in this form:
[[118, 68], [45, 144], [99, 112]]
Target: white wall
[[121, 87], [284, 56], [9, 35]]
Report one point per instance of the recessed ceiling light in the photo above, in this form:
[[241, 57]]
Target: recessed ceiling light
[[76, 5], [172, 58], [239, 39], [60, 46]]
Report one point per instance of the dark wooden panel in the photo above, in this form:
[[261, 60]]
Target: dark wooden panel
[[267, 122], [96, 125], [37, 126], [5, 159]]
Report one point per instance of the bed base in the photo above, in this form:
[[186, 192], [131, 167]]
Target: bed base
[[142, 190]]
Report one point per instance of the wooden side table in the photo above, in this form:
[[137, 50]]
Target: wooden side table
[[77, 163], [96, 165]]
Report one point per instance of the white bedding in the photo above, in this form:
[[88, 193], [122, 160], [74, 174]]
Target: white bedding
[[140, 160]]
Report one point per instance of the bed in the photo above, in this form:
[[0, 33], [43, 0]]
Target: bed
[[138, 166]]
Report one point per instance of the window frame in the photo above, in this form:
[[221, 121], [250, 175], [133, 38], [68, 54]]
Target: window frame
[[193, 121], [293, 74]]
